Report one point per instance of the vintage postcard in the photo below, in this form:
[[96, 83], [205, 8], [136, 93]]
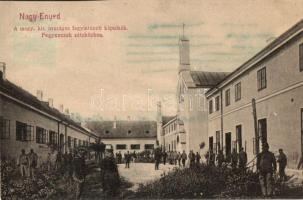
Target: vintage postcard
[[159, 99]]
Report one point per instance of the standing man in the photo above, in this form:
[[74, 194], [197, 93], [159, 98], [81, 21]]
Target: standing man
[[234, 159], [242, 159], [23, 163], [192, 158], [266, 166], [220, 158], [157, 155], [183, 158], [198, 157], [282, 160], [164, 157], [127, 159], [179, 159], [33, 161]]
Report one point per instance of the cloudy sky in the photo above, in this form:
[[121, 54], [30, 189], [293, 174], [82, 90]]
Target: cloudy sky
[[125, 72]]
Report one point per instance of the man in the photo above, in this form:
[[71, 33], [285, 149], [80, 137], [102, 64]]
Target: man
[[220, 158], [109, 173], [198, 157], [119, 157], [242, 159], [23, 163], [33, 161], [127, 158], [179, 158], [175, 154], [164, 155], [266, 166], [282, 160], [192, 158], [183, 158], [157, 154], [234, 159]]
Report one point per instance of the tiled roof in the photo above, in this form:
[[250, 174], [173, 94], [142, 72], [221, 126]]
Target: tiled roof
[[124, 129], [207, 79], [22, 95]]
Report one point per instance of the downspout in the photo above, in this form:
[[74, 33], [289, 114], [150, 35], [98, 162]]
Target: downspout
[[221, 116]]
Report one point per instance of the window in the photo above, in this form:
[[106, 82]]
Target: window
[[75, 142], [239, 136], [4, 128], [210, 106], [148, 146], [262, 129], [135, 146], [261, 76], [217, 103], [238, 91], [69, 142], [24, 132], [41, 135], [53, 137], [121, 146], [301, 57], [227, 97]]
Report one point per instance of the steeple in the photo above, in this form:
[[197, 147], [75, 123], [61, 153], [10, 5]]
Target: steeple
[[184, 64]]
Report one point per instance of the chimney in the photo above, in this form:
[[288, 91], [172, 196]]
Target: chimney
[[51, 102], [40, 95], [2, 70], [61, 108], [115, 122]]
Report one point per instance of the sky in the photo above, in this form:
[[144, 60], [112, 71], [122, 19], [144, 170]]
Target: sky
[[125, 73]]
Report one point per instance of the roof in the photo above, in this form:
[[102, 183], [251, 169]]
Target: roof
[[166, 119], [22, 95], [207, 79], [270, 48], [124, 129]]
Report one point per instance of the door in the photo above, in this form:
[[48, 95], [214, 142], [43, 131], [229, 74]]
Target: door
[[262, 129], [227, 145], [239, 137], [211, 143], [61, 143]]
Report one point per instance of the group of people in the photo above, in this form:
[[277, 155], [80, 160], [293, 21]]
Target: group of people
[[27, 163]]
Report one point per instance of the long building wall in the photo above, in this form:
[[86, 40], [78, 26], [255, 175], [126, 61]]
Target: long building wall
[[13, 112], [280, 103]]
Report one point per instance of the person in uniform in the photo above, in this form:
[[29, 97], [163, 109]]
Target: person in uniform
[[242, 159], [282, 160], [266, 166], [110, 178]]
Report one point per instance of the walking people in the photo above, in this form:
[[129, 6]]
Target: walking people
[[183, 158], [234, 159], [23, 163], [242, 159], [32, 163], [198, 157], [266, 166], [282, 160], [220, 158], [127, 158]]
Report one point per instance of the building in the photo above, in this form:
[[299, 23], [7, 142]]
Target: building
[[27, 122], [128, 135], [189, 128], [270, 84]]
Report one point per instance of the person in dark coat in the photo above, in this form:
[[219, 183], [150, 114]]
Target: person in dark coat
[[242, 159], [183, 158], [110, 178], [164, 156], [282, 160], [220, 158], [198, 157], [266, 166], [127, 158], [192, 158], [234, 158], [158, 155]]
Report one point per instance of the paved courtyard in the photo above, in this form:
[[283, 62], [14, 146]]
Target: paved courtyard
[[142, 172]]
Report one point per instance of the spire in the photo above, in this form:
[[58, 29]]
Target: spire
[[184, 64]]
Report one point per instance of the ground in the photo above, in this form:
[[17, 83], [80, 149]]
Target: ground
[[142, 172]]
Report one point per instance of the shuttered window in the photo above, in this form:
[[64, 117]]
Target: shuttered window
[[261, 76]]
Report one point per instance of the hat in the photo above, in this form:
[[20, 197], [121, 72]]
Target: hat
[[265, 144]]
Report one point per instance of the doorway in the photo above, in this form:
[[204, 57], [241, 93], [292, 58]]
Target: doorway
[[239, 137], [228, 145], [262, 129], [211, 143]]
